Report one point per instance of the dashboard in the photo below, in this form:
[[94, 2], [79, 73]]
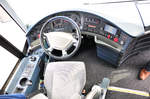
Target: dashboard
[[89, 24], [106, 33]]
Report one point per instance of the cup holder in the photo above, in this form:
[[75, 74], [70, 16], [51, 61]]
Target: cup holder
[[23, 81]]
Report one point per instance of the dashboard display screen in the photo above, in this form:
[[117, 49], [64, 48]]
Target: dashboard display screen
[[110, 29]]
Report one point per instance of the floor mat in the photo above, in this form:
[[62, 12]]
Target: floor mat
[[125, 76]]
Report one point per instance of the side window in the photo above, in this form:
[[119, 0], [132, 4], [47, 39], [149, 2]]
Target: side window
[[13, 33], [7, 63]]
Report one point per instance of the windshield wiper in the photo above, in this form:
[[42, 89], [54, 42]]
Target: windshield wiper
[[115, 2]]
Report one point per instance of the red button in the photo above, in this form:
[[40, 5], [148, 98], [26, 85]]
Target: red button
[[108, 36], [115, 39], [38, 35]]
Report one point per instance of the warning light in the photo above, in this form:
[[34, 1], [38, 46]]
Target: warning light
[[65, 21], [115, 39], [108, 36], [92, 26], [38, 35]]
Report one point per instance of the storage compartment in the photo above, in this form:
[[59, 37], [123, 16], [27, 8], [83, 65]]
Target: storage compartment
[[109, 55]]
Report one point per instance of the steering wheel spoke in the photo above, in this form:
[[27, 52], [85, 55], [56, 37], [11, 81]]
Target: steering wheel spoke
[[75, 42], [64, 53], [50, 49]]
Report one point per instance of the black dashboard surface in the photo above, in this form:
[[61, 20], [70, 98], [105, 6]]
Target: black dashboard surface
[[89, 24]]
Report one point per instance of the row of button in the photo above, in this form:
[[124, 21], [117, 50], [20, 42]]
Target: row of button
[[115, 38], [92, 20], [94, 29], [90, 28]]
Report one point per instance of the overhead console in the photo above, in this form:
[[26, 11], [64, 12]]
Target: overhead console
[[111, 41]]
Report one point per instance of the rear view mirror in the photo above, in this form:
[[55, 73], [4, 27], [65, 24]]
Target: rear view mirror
[[4, 17]]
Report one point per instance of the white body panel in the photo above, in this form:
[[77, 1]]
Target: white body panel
[[144, 7], [124, 15]]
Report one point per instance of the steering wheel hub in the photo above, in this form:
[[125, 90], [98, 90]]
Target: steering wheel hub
[[60, 40]]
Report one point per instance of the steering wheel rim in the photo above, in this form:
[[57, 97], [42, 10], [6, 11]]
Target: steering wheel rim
[[78, 42]]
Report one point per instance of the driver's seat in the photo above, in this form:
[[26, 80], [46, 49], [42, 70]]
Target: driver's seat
[[64, 80]]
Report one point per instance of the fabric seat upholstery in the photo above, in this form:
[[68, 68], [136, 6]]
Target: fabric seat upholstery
[[64, 80]]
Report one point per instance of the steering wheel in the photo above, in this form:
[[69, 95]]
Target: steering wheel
[[59, 40]]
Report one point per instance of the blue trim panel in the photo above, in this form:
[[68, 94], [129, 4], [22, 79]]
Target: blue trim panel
[[14, 82], [13, 96], [34, 77]]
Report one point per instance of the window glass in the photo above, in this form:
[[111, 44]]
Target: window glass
[[7, 63], [13, 33]]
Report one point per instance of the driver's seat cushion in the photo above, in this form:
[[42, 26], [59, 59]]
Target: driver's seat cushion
[[65, 80]]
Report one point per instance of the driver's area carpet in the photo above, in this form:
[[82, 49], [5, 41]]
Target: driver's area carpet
[[125, 76]]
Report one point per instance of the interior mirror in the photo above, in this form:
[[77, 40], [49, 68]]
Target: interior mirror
[[4, 17]]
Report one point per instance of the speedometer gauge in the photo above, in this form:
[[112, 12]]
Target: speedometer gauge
[[76, 18], [58, 23]]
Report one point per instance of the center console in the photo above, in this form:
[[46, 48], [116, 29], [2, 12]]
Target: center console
[[111, 41], [112, 45]]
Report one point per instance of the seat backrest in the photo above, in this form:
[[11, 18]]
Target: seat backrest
[[65, 80]]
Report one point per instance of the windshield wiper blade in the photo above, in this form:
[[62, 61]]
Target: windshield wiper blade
[[115, 2]]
